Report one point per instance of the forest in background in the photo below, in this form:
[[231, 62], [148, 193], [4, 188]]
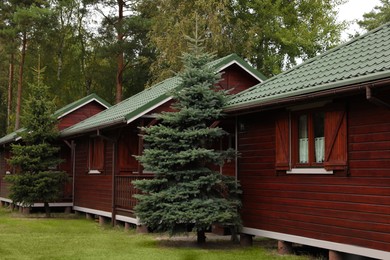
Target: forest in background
[[116, 48]]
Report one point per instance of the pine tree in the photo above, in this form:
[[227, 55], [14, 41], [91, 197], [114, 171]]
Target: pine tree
[[185, 190], [36, 157]]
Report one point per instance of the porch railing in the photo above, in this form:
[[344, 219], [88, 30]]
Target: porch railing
[[124, 190]]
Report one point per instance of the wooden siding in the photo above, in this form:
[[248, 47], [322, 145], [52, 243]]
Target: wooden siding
[[95, 191], [345, 208], [80, 114], [92, 190], [4, 187], [236, 79]]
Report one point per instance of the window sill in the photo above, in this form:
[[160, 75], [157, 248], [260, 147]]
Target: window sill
[[309, 171], [94, 172]]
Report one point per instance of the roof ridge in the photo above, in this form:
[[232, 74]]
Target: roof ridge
[[146, 100]]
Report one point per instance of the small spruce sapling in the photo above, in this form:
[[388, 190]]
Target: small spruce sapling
[[36, 155]]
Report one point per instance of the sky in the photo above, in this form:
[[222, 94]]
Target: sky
[[352, 10]]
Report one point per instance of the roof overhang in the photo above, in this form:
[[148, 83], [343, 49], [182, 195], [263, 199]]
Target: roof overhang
[[353, 86], [131, 118]]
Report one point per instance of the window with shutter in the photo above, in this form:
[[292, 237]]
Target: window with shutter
[[282, 142], [8, 168], [312, 141], [128, 147], [96, 155]]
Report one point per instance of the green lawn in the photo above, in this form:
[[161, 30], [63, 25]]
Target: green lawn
[[26, 237]]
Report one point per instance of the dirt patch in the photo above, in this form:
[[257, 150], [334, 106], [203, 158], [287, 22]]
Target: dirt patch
[[217, 242]]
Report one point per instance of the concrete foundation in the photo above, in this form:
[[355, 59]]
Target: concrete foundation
[[246, 240], [142, 229], [334, 255], [285, 248]]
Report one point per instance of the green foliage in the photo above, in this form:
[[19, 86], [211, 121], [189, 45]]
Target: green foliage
[[3, 111], [186, 189], [80, 45], [35, 156], [270, 34], [377, 17]]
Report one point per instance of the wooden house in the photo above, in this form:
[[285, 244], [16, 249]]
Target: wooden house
[[315, 151], [105, 144], [67, 116]]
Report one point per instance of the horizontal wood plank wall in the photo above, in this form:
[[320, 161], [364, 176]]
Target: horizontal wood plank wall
[[92, 190], [80, 114], [236, 79], [352, 209]]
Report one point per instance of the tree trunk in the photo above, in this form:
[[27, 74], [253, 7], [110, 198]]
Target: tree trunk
[[10, 85], [120, 57], [20, 82], [201, 237], [47, 209]]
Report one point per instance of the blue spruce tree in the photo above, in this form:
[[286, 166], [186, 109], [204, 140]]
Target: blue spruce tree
[[186, 190]]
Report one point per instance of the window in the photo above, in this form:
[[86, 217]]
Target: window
[[96, 155], [312, 139], [310, 144], [8, 167]]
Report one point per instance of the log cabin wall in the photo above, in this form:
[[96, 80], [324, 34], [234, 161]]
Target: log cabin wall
[[235, 79], [3, 169], [349, 208], [92, 190], [66, 166]]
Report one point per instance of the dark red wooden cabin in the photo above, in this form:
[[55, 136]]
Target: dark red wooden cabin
[[67, 116], [315, 151], [105, 145]]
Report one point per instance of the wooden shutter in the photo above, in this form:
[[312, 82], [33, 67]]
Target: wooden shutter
[[336, 138], [282, 142], [128, 147], [96, 154]]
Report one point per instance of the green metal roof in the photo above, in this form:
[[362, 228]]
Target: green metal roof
[[121, 112], [363, 59], [11, 137], [81, 102], [148, 99], [60, 113]]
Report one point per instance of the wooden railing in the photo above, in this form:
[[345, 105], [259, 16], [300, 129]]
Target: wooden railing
[[124, 190]]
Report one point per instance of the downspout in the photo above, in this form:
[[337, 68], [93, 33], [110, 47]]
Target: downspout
[[73, 154], [140, 146], [236, 145]]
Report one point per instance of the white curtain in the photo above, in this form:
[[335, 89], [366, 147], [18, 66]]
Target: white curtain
[[303, 150], [319, 144]]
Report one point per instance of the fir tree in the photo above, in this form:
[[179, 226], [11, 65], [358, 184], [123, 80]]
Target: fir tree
[[36, 157], [185, 190]]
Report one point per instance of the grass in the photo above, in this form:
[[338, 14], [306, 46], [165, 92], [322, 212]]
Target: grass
[[69, 237]]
